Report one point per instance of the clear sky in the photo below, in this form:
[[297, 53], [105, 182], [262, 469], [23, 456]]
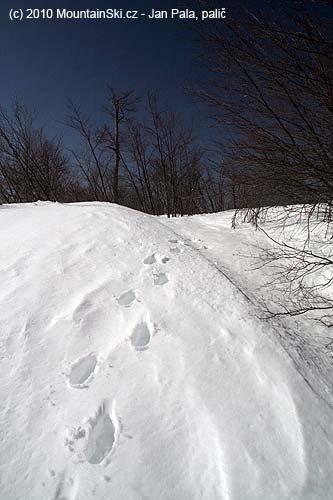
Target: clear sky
[[45, 62]]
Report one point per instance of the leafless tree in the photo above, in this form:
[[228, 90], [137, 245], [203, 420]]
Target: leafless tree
[[164, 162], [271, 85], [100, 156], [140, 156], [91, 159], [32, 166], [120, 106], [270, 92]]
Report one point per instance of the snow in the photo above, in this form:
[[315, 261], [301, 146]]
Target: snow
[[135, 364]]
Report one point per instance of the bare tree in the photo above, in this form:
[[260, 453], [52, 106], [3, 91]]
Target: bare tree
[[91, 158], [271, 95], [271, 86], [162, 164], [120, 106], [32, 166], [176, 160], [140, 155], [301, 273]]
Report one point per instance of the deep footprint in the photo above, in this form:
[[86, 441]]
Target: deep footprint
[[82, 370], [141, 336], [160, 279], [126, 298], [102, 435], [151, 259]]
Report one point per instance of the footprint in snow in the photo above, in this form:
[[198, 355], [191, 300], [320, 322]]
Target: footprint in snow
[[173, 241], [102, 433], [160, 279], [82, 370], [126, 298], [141, 336], [67, 488], [151, 259]]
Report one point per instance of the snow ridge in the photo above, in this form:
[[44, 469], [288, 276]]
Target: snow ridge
[[132, 368]]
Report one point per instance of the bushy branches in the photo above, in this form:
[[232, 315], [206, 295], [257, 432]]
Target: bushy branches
[[167, 162], [271, 93], [271, 89]]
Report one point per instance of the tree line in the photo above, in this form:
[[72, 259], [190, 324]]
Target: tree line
[[267, 82], [142, 155]]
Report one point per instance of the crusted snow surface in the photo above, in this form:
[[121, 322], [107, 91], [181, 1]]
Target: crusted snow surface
[[133, 368]]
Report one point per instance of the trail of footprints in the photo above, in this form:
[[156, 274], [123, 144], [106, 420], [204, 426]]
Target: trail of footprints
[[96, 443], [82, 371]]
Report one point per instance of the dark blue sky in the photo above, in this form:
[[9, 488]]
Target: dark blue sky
[[44, 62]]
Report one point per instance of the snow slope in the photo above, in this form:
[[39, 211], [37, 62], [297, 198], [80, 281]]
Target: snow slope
[[132, 368]]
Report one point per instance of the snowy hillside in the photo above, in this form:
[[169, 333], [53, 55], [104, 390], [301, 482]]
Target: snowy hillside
[[135, 365]]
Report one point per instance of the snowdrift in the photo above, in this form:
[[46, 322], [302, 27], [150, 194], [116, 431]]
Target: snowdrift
[[131, 369]]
